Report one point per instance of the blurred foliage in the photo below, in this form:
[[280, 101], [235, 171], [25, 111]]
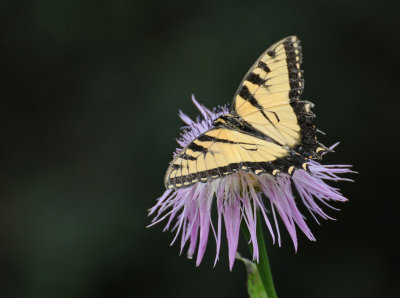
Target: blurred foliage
[[90, 95], [255, 286]]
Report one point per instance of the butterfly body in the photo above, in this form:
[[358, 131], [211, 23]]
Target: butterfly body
[[268, 131]]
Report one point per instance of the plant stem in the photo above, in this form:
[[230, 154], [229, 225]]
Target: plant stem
[[263, 264]]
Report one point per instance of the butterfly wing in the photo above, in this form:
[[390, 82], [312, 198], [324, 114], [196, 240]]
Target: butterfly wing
[[264, 97], [220, 152]]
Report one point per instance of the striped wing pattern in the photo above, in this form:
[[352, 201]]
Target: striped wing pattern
[[220, 152], [265, 94], [270, 129]]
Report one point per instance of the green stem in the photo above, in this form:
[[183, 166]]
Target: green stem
[[263, 264]]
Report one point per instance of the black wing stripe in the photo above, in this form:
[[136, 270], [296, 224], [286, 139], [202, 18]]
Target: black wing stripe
[[264, 66], [188, 157], [207, 138], [245, 94], [197, 148], [255, 79]]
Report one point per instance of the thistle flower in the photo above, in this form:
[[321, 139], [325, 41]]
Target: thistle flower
[[238, 196]]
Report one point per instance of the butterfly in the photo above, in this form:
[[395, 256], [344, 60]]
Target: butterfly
[[269, 130]]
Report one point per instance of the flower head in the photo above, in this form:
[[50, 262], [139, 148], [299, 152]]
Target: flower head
[[238, 197]]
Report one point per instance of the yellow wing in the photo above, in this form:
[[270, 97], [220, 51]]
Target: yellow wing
[[219, 152], [267, 95]]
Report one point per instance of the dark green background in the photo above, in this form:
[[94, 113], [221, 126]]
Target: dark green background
[[90, 92]]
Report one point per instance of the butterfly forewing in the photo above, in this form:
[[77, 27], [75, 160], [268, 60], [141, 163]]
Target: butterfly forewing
[[264, 97], [220, 152]]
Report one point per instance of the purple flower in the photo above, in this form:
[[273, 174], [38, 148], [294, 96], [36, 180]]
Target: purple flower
[[239, 196]]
